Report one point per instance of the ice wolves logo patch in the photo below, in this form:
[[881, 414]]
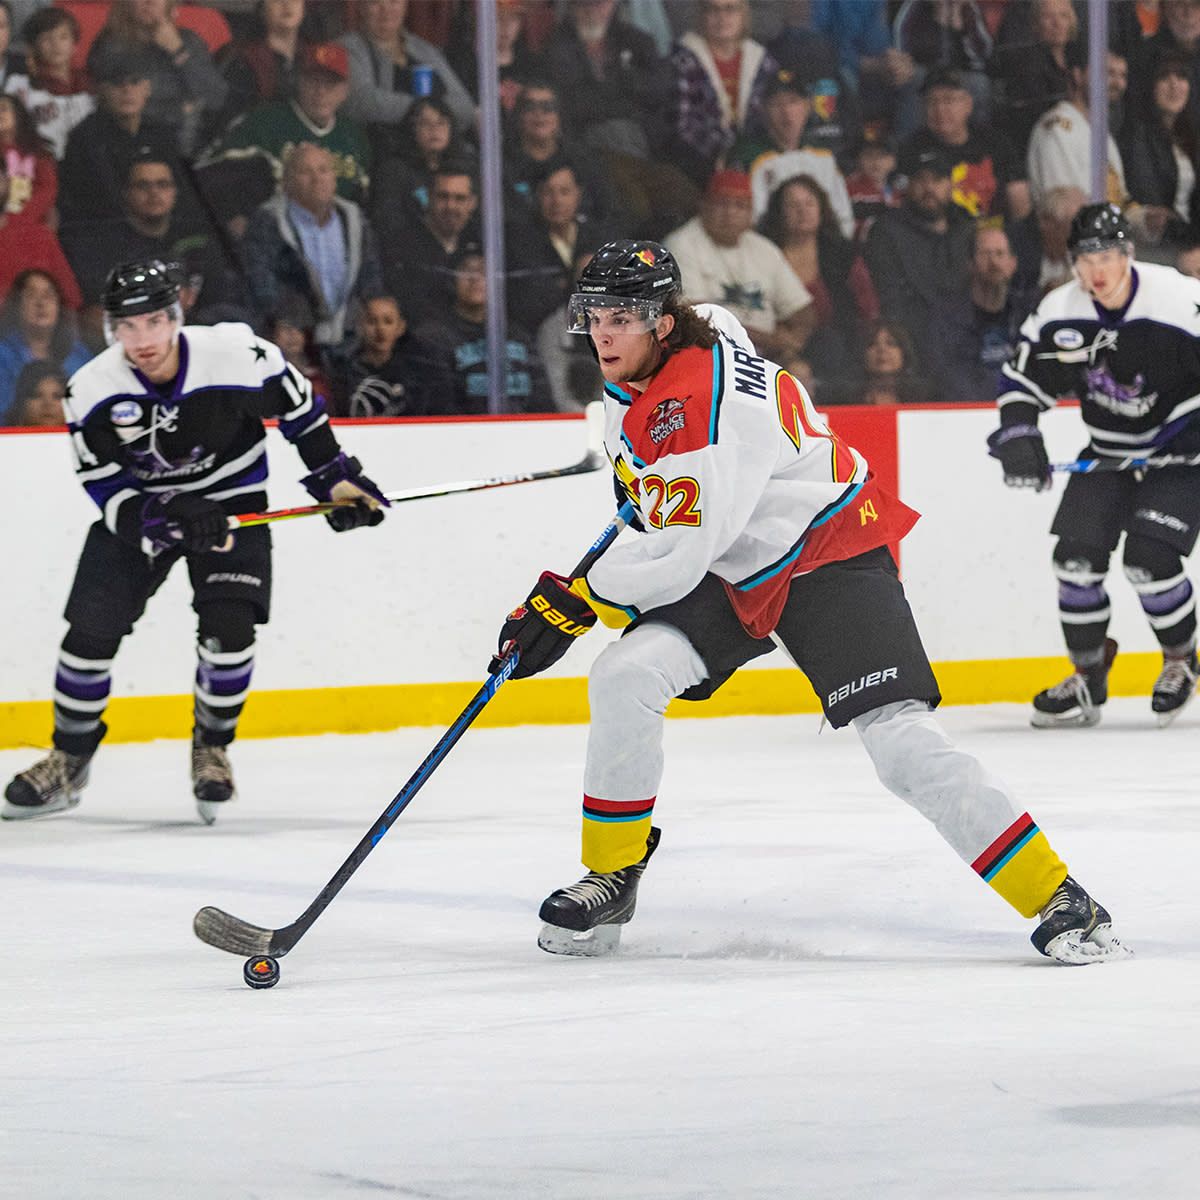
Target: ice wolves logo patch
[[667, 418]]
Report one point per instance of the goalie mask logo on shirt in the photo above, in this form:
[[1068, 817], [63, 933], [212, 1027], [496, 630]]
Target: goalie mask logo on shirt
[[667, 418]]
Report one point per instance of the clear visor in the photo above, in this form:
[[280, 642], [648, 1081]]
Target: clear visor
[[1099, 245], [613, 314], [174, 311]]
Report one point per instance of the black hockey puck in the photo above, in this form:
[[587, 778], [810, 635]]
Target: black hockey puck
[[261, 972]]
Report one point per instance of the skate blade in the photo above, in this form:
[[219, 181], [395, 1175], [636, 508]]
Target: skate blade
[[1076, 719], [25, 812], [208, 809], [1075, 950], [589, 943], [1166, 718]]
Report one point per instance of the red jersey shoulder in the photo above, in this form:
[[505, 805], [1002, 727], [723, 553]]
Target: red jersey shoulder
[[674, 415]]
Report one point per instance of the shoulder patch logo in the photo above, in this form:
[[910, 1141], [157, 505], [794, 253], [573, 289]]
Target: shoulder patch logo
[[668, 417], [125, 412], [1068, 339]]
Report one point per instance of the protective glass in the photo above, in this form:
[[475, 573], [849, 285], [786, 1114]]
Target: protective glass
[[110, 323], [616, 314]]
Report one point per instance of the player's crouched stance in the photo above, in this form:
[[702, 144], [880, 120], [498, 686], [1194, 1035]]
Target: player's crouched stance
[[167, 429], [757, 521]]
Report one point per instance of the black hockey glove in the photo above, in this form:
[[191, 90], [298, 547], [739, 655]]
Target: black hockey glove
[[544, 627], [1022, 453], [341, 481], [184, 520]]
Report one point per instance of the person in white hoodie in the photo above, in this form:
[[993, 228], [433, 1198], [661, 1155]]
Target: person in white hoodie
[[720, 79]]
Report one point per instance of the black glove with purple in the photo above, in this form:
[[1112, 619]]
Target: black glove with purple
[[341, 481], [544, 627], [1022, 453], [185, 521]]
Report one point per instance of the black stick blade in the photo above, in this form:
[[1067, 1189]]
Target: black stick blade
[[218, 928]]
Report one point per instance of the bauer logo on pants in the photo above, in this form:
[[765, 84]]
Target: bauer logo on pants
[[861, 684]]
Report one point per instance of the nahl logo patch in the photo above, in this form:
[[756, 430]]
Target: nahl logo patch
[[667, 418], [125, 412]]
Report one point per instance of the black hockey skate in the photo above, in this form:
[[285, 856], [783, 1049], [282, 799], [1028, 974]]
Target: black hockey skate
[[51, 785], [585, 918], [1175, 686], [212, 779], [1075, 929], [1078, 699]]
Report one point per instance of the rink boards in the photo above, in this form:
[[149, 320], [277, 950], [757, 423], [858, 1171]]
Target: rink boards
[[393, 626]]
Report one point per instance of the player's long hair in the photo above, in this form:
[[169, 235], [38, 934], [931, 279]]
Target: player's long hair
[[691, 329]]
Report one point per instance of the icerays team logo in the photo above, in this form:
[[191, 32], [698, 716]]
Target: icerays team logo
[[667, 418], [1124, 399]]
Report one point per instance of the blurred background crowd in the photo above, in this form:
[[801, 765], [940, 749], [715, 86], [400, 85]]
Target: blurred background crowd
[[879, 189]]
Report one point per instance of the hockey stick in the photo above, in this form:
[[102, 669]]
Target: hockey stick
[[218, 928], [1086, 466], [593, 460]]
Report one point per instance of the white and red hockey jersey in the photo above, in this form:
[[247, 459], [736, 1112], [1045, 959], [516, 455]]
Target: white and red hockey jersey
[[734, 473]]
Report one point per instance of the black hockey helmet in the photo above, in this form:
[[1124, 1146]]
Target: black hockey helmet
[[141, 287], [1099, 227], [636, 275]]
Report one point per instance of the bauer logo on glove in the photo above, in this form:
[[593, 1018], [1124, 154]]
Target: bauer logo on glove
[[543, 627]]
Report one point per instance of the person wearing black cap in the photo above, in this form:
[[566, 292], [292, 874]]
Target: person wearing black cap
[[920, 253], [1123, 340], [91, 177], [169, 442], [989, 178]]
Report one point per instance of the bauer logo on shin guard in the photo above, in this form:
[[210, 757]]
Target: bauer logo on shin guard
[[860, 684], [559, 620]]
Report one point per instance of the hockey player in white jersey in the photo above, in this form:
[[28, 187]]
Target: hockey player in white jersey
[[759, 526], [1124, 340], [167, 429]]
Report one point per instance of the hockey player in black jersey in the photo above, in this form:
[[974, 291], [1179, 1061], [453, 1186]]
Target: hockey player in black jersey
[[167, 430], [1125, 340]]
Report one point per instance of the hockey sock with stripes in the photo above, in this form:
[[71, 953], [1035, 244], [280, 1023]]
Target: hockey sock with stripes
[[82, 682], [224, 665]]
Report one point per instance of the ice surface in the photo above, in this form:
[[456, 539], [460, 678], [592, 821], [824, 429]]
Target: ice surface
[[816, 999]]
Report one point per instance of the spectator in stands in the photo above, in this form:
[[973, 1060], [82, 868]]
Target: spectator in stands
[[616, 95], [722, 260], [1035, 77], [1131, 25], [264, 68], [268, 133], [977, 338], [291, 329], [1055, 212], [186, 89], [989, 177], [720, 76], [100, 148], [418, 269], [25, 244], [515, 57], [888, 372], [454, 350], [38, 396], [32, 178], [311, 245], [1159, 145], [801, 222], [36, 327], [779, 151], [424, 140], [799, 47], [948, 35], [53, 91], [870, 184], [537, 137], [921, 252], [885, 76], [1178, 32], [385, 373], [152, 226], [11, 63], [1187, 260], [390, 68], [542, 251], [567, 359]]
